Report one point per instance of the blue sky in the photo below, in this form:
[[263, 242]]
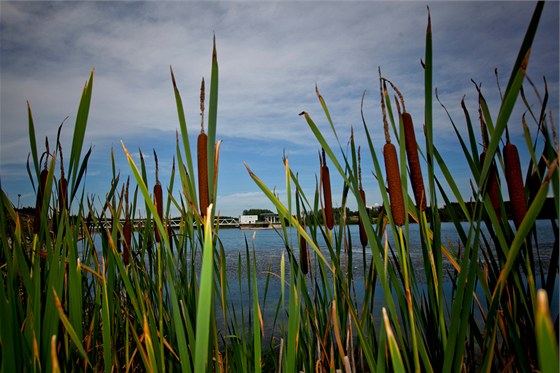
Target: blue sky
[[270, 55]]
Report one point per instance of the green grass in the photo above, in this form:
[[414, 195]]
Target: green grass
[[69, 301]]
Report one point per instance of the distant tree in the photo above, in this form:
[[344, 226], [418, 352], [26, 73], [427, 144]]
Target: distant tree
[[256, 212]]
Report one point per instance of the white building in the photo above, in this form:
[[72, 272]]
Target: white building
[[248, 219]]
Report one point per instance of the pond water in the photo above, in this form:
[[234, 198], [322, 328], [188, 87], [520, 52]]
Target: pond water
[[269, 248]]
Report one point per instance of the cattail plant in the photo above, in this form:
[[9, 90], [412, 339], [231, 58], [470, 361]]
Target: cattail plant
[[493, 183], [416, 178], [493, 187], [127, 227], [514, 182], [303, 259], [327, 197], [170, 235], [392, 167], [62, 185], [202, 156], [158, 199], [363, 235], [40, 197]]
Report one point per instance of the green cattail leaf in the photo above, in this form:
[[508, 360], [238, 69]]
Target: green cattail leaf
[[212, 124], [80, 131], [204, 306], [74, 285], [327, 113], [523, 230], [527, 42], [257, 320], [293, 324], [547, 342], [512, 255], [106, 327], [69, 326], [396, 357], [185, 138], [283, 212], [33, 141], [83, 169], [147, 199], [512, 90]]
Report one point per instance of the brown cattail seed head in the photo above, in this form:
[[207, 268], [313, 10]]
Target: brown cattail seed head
[[303, 255], [515, 183], [394, 183], [202, 152], [414, 162], [62, 184], [327, 197], [158, 201], [40, 197], [170, 236], [62, 193], [127, 232], [493, 186], [363, 235]]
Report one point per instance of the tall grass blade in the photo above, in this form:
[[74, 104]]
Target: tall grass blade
[[212, 123], [79, 131], [33, 141], [547, 341], [396, 357], [70, 329], [206, 293]]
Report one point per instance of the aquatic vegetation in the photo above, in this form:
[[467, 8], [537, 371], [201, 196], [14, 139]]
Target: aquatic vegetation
[[88, 287]]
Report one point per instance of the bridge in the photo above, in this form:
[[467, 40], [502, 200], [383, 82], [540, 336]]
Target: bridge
[[175, 223]]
